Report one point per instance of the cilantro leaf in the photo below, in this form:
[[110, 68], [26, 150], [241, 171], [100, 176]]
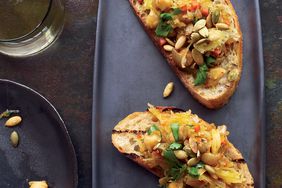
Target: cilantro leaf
[[163, 29], [166, 16], [7, 113], [170, 157], [175, 146], [176, 11], [176, 173], [175, 131], [210, 61], [201, 76], [152, 129], [193, 171]]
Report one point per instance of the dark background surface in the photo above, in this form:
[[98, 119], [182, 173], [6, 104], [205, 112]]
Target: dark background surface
[[63, 74]]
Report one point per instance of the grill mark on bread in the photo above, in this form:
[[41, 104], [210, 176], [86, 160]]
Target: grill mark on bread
[[128, 131], [169, 108], [242, 161]]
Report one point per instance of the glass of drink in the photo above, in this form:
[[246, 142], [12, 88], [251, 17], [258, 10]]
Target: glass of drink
[[29, 26]]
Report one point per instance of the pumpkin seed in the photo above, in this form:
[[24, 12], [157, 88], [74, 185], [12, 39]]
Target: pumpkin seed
[[13, 121], [180, 154], [197, 56], [14, 137], [193, 161], [222, 26], [215, 16], [210, 158], [168, 48], [199, 25], [193, 145], [210, 169], [209, 21], [177, 57], [170, 41], [195, 37], [189, 151], [168, 89], [189, 59], [204, 32], [202, 41], [189, 29], [203, 146], [180, 42]]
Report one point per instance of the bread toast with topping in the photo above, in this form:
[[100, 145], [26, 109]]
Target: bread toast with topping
[[202, 42], [181, 149]]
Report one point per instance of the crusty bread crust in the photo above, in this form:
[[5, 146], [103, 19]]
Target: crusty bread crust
[[127, 130], [219, 100]]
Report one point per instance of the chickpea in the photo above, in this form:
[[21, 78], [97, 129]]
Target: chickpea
[[151, 141], [163, 4], [152, 20]]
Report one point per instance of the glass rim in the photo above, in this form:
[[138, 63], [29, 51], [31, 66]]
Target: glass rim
[[32, 31]]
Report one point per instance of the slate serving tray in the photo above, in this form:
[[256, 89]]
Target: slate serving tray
[[45, 150], [130, 71]]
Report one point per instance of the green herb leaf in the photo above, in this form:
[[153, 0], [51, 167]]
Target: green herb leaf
[[166, 16], [201, 76], [175, 131], [7, 113], [210, 61], [152, 129], [175, 173], [170, 157], [176, 11], [193, 171], [175, 146], [163, 29]]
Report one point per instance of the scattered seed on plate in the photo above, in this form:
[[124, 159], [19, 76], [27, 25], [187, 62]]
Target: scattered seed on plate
[[14, 137], [168, 89], [13, 121]]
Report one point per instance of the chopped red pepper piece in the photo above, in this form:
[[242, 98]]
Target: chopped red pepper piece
[[197, 128], [184, 8], [195, 5], [140, 1], [216, 52], [205, 12], [162, 41]]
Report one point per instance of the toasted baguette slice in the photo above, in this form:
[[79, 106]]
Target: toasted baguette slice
[[221, 83], [130, 136]]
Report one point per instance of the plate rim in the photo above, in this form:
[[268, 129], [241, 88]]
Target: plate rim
[[61, 122]]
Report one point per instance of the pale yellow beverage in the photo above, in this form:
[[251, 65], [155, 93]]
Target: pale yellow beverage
[[29, 26]]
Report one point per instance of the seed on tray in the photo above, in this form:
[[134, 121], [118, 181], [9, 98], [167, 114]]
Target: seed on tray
[[168, 89], [14, 137], [13, 121]]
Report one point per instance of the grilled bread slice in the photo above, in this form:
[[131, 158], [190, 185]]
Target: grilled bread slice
[[202, 42], [181, 149]]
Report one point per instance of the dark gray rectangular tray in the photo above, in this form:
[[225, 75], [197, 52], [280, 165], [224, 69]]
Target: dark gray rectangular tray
[[130, 72]]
